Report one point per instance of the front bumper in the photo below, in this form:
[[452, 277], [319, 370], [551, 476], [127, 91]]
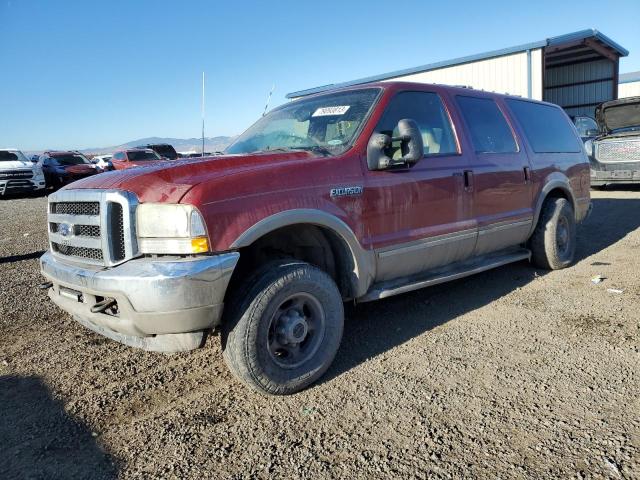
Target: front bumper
[[612, 173], [21, 185], [162, 304]]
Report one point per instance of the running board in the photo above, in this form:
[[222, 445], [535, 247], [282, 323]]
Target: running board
[[446, 274]]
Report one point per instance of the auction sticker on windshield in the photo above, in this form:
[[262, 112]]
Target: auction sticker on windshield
[[326, 111]]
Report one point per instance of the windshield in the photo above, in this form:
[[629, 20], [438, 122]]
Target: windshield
[[327, 123], [70, 159], [12, 156], [142, 155]]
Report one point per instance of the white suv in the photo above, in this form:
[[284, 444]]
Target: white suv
[[19, 174]]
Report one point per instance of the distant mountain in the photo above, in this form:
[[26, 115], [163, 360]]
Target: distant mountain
[[211, 144]]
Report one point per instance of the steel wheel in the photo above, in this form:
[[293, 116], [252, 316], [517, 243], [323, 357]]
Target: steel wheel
[[296, 330]]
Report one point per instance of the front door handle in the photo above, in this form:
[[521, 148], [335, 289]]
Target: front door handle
[[527, 175], [468, 181]]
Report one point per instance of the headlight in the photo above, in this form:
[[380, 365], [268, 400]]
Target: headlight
[[170, 229]]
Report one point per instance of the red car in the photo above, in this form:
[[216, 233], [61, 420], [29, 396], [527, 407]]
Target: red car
[[135, 157], [354, 194]]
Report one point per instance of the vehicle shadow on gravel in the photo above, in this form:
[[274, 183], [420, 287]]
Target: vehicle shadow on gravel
[[19, 258], [611, 220], [374, 328], [38, 439]]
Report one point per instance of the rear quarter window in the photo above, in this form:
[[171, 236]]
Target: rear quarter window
[[490, 132], [547, 128]]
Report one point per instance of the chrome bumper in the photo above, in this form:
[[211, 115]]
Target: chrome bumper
[[155, 297]]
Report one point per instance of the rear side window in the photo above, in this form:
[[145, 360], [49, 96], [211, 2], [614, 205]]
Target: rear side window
[[427, 110], [490, 132], [547, 128]]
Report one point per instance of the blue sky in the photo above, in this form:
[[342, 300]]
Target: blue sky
[[79, 74]]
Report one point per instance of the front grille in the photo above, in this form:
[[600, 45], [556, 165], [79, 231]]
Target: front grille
[[116, 221], [87, 230], [76, 208], [79, 230], [21, 184], [94, 226], [78, 252], [9, 174], [618, 151]]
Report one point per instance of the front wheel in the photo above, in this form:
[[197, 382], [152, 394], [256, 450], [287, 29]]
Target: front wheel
[[553, 243], [285, 329]]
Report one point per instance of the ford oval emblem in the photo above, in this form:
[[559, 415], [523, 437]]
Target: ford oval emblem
[[65, 229]]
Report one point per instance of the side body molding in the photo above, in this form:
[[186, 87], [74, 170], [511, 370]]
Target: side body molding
[[555, 180], [363, 260]]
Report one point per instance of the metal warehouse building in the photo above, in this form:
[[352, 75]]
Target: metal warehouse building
[[576, 71], [629, 85]]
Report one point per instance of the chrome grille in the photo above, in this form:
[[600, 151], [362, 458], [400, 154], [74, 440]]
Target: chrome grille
[[79, 252], [117, 232], [93, 226], [87, 230], [75, 208], [618, 151], [79, 230]]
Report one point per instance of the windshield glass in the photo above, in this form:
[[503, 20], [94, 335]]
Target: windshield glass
[[12, 156], [70, 159], [142, 155], [327, 123]]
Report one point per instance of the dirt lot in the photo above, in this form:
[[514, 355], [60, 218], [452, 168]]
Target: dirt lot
[[511, 373]]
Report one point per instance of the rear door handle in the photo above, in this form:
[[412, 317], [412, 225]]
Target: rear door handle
[[527, 175], [468, 180]]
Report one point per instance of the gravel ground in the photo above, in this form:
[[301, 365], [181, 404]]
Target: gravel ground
[[511, 373]]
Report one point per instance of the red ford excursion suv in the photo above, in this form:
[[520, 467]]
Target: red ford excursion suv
[[354, 194]]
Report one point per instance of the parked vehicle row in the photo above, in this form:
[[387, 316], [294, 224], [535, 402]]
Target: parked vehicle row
[[55, 169], [356, 194]]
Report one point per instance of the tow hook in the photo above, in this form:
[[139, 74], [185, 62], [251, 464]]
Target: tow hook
[[102, 305], [45, 285]]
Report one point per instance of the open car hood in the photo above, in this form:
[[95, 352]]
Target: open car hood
[[617, 114]]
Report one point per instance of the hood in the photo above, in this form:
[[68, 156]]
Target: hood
[[15, 164], [623, 113], [170, 181], [82, 168], [145, 163]]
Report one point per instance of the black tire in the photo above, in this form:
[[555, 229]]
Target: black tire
[[553, 243], [284, 327]]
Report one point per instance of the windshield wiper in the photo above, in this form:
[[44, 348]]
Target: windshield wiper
[[315, 148]]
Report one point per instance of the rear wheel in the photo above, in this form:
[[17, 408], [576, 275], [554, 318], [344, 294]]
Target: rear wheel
[[553, 243], [284, 329]]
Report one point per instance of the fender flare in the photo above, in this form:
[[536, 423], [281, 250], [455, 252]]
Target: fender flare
[[363, 260], [554, 181]]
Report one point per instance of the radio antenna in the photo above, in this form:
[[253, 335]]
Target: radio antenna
[[268, 99], [202, 155]]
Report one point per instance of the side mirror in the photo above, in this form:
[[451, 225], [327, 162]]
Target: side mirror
[[411, 147]]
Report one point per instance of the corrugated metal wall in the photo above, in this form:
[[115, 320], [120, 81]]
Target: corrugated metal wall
[[506, 74], [580, 87], [630, 89]]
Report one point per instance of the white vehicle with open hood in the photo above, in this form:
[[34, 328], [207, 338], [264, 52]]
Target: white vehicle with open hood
[[18, 173]]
